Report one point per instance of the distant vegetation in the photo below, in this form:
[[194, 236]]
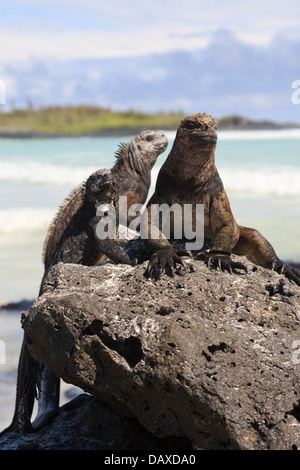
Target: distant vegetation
[[82, 120], [93, 120]]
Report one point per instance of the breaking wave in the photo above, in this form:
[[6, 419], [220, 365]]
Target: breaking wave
[[275, 134], [279, 181], [34, 172], [26, 219], [260, 134]]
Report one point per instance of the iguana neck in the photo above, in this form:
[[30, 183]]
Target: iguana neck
[[128, 165], [191, 159]]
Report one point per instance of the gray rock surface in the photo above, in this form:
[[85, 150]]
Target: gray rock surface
[[206, 357], [86, 423]]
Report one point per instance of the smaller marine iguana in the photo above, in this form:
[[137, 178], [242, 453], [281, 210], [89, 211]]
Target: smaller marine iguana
[[189, 176], [72, 239]]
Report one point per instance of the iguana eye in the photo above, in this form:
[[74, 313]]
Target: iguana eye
[[149, 138], [189, 125]]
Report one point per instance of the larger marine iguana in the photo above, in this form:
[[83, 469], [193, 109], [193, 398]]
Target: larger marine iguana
[[189, 176], [72, 239]]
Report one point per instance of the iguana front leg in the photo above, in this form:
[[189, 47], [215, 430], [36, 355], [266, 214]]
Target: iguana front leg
[[225, 234], [164, 256], [165, 259], [109, 247], [114, 252], [221, 261]]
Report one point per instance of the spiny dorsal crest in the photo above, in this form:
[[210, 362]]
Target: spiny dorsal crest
[[121, 148], [127, 152]]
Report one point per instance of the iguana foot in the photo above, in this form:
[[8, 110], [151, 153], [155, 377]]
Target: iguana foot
[[165, 259], [282, 268], [221, 261]]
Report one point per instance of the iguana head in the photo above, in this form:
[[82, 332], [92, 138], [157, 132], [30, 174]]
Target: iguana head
[[140, 154], [147, 146], [194, 147], [199, 127], [100, 188]]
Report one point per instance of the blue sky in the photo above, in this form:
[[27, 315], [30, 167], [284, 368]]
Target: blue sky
[[236, 56]]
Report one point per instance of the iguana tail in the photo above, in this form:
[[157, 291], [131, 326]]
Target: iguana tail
[[26, 392]]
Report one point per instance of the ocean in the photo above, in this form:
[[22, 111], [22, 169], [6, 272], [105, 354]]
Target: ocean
[[260, 171]]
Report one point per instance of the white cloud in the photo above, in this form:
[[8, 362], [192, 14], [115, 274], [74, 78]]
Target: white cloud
[[229, 61], [125, 28], [62, 46], [225, 77]]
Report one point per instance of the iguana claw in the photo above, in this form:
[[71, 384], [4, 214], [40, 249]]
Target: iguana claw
[[282, 268], [163, 259], [221, 261]]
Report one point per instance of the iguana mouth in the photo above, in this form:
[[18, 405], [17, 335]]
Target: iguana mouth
[[202, 136], [160, 146]]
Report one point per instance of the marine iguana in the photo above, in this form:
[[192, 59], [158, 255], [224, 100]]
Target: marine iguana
[[75, 223], [189, 176], [72, 239]]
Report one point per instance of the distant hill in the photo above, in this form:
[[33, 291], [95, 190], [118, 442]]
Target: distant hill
[[237, 122], [97, 121]]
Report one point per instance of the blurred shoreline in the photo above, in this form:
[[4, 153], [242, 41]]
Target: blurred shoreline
[[129, 131], [93, 121]]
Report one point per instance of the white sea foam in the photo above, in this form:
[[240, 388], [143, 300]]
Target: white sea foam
[[25, 219], [266, 134], [34, 172], [279, 181], [260, 134]]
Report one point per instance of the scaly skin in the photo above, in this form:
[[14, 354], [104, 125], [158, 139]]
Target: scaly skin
[[189, 176], [72, 239]]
